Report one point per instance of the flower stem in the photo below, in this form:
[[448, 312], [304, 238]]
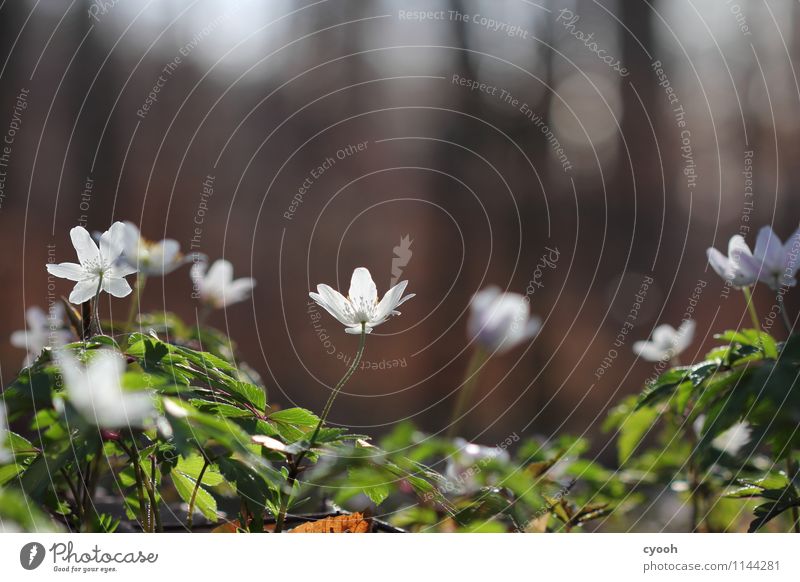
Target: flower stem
[[791, 473], [751, 308], [94, 324], [136, 302], [477, 360], [190, 517], [785, 316], [294, 466]]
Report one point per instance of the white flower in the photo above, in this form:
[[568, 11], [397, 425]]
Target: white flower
[[217, 287], [739, 267], [5, 454], [150, 257], [99, 266], [501, 321], [731, 440], [361, 306], [42, 330], [667, 342], [96, 392], [464, 465], [777, 262]]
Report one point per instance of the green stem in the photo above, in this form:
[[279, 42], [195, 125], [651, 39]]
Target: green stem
[[154, 516], [94, 324], [136, 302], [137, 472], [75, 495], [294, 467], [190, 517], [477, 360], [751, 308], [791, 472], [785, 316]]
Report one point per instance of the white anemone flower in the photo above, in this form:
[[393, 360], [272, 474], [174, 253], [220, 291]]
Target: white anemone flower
[[5, 454], [777, 262], [667, 342], [96, 391], [42, 330], [151, 258], [739, 267], [464, 465], [729, 441], [501, 321], [361, 308], [99, 265], [216, 287]]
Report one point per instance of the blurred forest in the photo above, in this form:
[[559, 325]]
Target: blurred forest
[[302, 139]]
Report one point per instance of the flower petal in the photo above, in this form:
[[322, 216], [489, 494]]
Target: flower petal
[[362, 287], [112, 241], [719, 263], [117, 287], [326, 298], [84, 290], [391, 300], [84, 245], [71, 271], [649, 351], [769, 250], [239, 290]]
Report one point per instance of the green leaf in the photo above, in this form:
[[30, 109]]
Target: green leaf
[[373, 482], [204, 501], [193, 464], [633, 428]]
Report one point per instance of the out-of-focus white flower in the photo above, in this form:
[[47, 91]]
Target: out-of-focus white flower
[[464, 466], [777, 263], [99, 265], [667, 342], [5, 454], [216, 286], [42, 330], [729, 441], [739, 267], [361, 306], [96, 392], [501, 321], [151, 258]]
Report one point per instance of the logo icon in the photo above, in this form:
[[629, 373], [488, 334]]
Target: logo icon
[[402, 254], [31, 555]]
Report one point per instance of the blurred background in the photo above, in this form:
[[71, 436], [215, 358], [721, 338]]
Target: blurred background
[[565, 150]]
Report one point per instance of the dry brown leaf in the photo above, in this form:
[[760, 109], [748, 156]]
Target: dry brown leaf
[[353, 523]]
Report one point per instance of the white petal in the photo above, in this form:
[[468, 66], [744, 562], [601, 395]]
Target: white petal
[[116, 286], [239, 290], [362, 287], [121, 269], [649, 351], [84, 245], [219, 275], [391, 300], [130, 240], [664, 336], [745, 268], [37, 319], [769, 250], [325, 304], [791, 253], [70, 271], [719, 263], [84, 290], [19, 339], [112, 241], [356, 329], [198, 273], [338, 305], [685, 336]]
